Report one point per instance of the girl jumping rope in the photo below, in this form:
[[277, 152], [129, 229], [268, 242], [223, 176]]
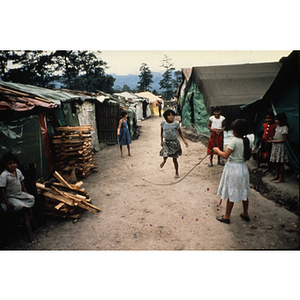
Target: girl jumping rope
[[169, 142], [234, 184], [278, 152], [216, 125], [124, 137]]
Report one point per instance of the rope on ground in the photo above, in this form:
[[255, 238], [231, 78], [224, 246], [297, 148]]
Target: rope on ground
[[170, 183]]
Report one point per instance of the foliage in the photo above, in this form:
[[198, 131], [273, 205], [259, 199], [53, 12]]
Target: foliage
[[5, 57], [30, 67], [125, 88], [178, 78], [78, 70], [145, 78], [168, 84], [155, 92]]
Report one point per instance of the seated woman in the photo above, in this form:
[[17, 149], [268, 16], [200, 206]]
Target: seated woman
[[13, 191]]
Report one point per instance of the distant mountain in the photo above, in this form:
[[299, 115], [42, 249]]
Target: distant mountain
[[132, 80]]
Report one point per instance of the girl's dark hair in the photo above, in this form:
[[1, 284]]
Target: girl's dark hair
[[282, 118], [240, 127], [271, 114], [9, 156], [217, 108], [123, 114], [168, 112]]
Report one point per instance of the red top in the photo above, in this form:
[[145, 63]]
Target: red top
[[269, 130]]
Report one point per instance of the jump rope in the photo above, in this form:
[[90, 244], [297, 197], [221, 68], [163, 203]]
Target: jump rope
[[170, 183]]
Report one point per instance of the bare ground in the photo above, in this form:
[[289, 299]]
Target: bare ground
[[139, 214]]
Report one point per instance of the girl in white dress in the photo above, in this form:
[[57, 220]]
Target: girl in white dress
[[235, 184], [278, 152]]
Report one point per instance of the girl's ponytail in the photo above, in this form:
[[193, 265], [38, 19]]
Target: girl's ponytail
[[247, 150], [240, 126]]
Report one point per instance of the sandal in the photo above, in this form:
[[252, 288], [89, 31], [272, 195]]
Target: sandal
[[221, 219], [247, 219]]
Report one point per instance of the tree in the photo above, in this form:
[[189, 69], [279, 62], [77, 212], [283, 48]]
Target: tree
[[155, 92], [126, 88], [5, 57], [30, 67], [167, 83], [177, 80], [83, 70], [145, 78], [65, 62]]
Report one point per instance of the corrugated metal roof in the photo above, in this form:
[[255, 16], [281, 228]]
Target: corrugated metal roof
[[54, 96], [234, 84]]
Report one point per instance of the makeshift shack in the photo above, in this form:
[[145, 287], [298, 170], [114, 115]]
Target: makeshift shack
[[28, 118], [228, 86], [153, 100], [141, 104], [108, 113], [282, 96]]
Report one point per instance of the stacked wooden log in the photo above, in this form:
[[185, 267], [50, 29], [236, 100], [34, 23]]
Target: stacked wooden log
[[74, 150], [65, 200]]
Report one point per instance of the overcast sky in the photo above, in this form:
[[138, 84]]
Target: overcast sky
[[129, 62]]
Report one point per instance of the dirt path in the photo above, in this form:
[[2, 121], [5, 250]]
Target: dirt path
[[137, 215]]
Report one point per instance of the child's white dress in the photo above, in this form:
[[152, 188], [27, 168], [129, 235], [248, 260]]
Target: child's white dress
[[279, 152], [235, 183], [14, 193]]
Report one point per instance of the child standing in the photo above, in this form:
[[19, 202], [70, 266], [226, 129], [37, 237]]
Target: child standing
[[169, 142], [12, 186], [216, 125], [234, 184], [269, 131], [124, 137], [278, 152]]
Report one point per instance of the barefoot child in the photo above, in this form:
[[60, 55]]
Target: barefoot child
[[124, 137], [234, 184], [169, 142], [269, 131], [12, 186], [278, 152], [216, 125]]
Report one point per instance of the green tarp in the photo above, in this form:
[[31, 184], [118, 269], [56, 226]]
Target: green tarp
[[24, 138], [194, 111]]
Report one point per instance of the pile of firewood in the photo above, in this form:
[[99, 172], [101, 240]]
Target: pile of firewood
[[74, 150], [63, 199]]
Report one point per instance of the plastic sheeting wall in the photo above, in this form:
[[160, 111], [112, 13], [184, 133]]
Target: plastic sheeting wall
[[194, 111], [148, 111], [139, 111], [24, 138], [87, 115]]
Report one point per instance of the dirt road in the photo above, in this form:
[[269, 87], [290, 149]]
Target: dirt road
[[138, 215]]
